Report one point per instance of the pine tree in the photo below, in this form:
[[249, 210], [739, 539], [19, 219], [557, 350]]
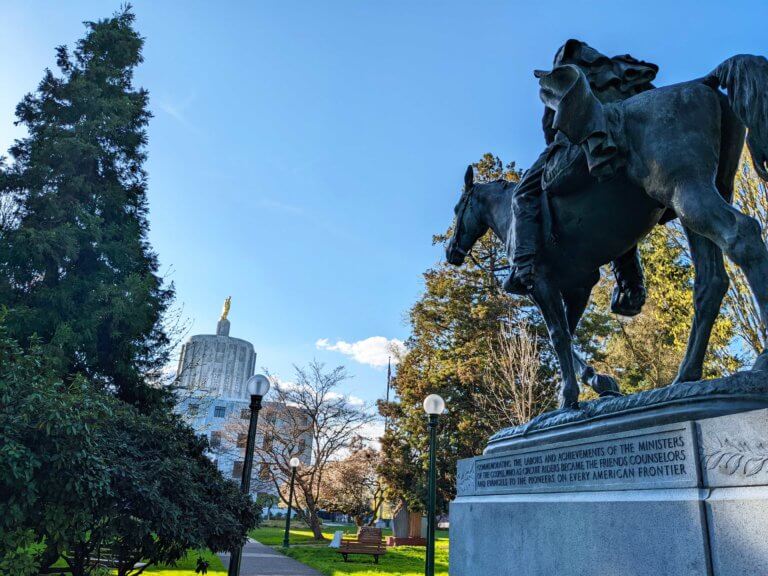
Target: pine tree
[[76, 267], [96, 459]]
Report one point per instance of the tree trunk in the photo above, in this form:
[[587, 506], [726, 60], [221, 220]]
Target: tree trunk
[[76, 562], [312, 519], [316, 525]]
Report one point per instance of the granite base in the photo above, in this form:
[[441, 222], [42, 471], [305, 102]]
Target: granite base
[[686, 498]]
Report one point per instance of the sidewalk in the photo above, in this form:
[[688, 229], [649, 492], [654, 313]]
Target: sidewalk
[[260, 560]]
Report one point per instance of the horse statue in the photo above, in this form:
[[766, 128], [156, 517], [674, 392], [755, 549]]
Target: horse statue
[[671, 148]]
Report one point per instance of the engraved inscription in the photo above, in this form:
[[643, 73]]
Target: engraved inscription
[[654, 458]]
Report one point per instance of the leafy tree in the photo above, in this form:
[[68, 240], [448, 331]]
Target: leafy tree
[[351, 485], [166, 496], [76, 268], [51, 469], [92, 457], [84, 472]]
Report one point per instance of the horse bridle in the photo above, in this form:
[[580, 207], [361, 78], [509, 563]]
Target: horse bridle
[[463, 203]]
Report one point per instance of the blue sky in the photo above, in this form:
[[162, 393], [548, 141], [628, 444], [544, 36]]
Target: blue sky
[[302, 154]]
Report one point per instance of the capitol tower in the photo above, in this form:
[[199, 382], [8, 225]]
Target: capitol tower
[[217, 363], [211, 382], [212, 397]]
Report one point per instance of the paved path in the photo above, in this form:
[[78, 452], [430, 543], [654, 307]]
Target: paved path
[[260, 560]]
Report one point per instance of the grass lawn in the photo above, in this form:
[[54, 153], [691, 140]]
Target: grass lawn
[[271, 532], [399, 561], [186, 566]]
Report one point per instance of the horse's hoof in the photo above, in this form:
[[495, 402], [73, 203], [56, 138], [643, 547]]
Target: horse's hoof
[[762, 361], [604, 385], [683, 378], [569, 403]]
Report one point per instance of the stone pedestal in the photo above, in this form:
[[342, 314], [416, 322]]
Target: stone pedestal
[[407, 529], [627, 487]]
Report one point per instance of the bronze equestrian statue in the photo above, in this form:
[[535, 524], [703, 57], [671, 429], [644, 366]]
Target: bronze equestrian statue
[[632, 163], [612, 80]]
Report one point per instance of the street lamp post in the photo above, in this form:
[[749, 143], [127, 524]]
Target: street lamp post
[[433, 406], [258, 386], [286, 540]]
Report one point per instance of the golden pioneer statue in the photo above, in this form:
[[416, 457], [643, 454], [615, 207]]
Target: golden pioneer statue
[[225, 308]]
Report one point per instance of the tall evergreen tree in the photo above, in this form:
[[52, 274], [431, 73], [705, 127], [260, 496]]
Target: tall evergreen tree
[[76, 267], [95, 458]]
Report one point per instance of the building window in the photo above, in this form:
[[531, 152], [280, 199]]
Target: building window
[[245, 413], [241, 440], [194, 409], [237, 469], [219, 412], [215, 440]]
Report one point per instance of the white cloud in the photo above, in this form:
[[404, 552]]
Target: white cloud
[[178, 110], [353, 400], [373, 351], [373, 432]]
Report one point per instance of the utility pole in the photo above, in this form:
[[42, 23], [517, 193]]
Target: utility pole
[[389, 380]]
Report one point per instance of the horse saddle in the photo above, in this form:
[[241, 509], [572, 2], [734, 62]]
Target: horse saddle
[[566, 171], [564, 163]]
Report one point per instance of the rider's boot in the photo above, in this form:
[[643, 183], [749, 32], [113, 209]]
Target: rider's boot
[[520, 279], [629, 293], [526, 208]]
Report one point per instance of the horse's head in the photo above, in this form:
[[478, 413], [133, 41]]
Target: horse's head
[[469, 224]]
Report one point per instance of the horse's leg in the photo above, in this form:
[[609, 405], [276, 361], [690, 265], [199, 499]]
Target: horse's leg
[[709, 289], [550, 303], [576, 301], [702, 209]]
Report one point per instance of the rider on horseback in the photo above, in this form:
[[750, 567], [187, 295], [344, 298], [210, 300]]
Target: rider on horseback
[[611, 80]]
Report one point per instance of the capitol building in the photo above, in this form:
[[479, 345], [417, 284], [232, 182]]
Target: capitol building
[[211, 378]]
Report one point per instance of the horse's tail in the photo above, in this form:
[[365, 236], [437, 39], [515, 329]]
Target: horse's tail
[[745, 79]]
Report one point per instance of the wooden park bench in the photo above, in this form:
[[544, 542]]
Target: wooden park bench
[[368, 541]]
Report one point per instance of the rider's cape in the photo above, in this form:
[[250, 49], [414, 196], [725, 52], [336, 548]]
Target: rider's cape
[[607, 80]]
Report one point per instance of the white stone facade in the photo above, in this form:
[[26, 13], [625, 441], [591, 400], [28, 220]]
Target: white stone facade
[[212, 373], [217, 364]]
